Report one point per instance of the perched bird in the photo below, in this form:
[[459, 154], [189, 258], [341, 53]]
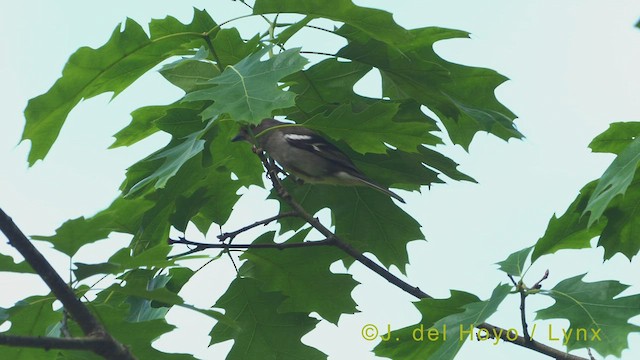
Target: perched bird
[[308, 156]]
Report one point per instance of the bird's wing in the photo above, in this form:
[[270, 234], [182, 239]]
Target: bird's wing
[[317, 145]]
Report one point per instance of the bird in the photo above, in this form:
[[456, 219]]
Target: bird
[[307, 155]]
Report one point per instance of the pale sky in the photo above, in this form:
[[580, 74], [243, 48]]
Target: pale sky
[[573, 67]]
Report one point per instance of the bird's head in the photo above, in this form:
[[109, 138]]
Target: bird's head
[[246, 132]]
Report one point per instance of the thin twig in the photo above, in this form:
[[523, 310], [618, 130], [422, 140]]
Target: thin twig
[[538, 285], [280, 246], [523, 314], [520, 288], [231, 235]]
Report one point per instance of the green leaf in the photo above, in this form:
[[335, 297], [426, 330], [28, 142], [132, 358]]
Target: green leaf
[[115, 313], [290, 272], [190, 73], [173, 157], [367, 219], [443, 319], [249, 91], [405, 170], [376, 23], [569, 231], [328, 82], [33, 316], [230, 48], [123, 260], [154, 293], [151, 295], [620, 235], [368, 131], [121, 216], [264, 333], [396, 168], [514, 263], [204, 188], [144, 121], [474, 314], [615, 180], [591, 309], [463, 97], [616, 138], [7, 264], [127, 55], [292, 29]]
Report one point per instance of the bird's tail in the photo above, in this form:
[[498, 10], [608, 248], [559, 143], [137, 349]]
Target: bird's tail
[[382, 189]]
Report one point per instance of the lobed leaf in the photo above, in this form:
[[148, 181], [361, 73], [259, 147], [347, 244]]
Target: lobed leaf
[[616, 138], [463, 97], [569, 231], [594, 307], [514, 263], [376, 23], [7, 264], [127, 55], [620, 235], [369, 130], [445, 318], [191, 73], [291, 273], [263, 332], [366, 218], [249, 90], [615, 180]]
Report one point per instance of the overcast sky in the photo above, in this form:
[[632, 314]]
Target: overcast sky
[[573, 67]]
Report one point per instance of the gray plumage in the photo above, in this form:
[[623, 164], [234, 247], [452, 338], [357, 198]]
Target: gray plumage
[[308, 156]]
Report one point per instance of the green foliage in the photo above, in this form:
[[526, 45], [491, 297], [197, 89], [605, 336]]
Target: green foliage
[[367, 131], [570, 231], [249, 90], [376, 23], [264, 332], [291, 275], [412, 70], [111, 68], [610, 201], [616, 138], [454, 316], [229, 82], [7, 264], [615, 180], [514, 264], [372, 222], [597, 308]]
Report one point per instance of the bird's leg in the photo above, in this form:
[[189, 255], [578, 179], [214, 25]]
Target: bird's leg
[[283, 193], [256, 150], [272, 168], [278, 169]]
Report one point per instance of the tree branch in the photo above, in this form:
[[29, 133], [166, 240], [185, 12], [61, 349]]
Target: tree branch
[[272, 174], [91, 327], [48, 343], [523, 315], [203, 246], [231, 235]]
